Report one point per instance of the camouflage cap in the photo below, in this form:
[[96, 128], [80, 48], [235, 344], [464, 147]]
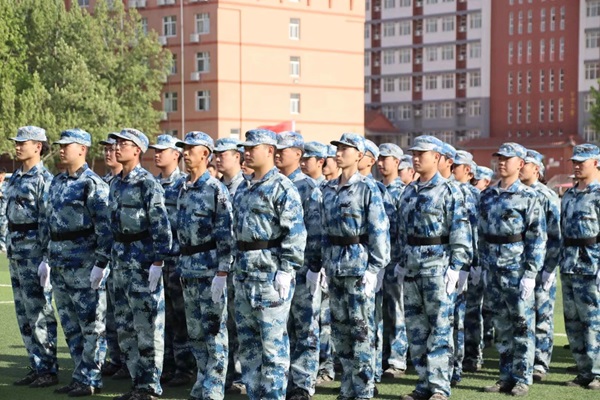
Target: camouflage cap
[[448, 151], [427, 143], [352, 140], [331, 150], [534, 157], [289, 139], [315, 149], [30, 132], [585, 151], [483, 173], [137, 137], [109, 141], [405, 162], [371, 148], [390, 150], [224, 144], [165, 142], [75, 136], [254, 137], [463, 158], [197, 138], [511, 149]]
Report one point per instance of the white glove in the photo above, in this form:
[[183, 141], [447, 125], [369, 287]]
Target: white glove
[[44, 274], [312, 280], [96, 277], [217, 288], [154, 276], [380, 276], [463, 278], [598, 280], [475, 275], [324, 280], [400, 274], [282, 283], [548, 279], [369, 279], [450, 279], [527, 285]]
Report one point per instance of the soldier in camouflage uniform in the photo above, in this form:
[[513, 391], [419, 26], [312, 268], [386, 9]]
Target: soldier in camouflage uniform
[[204, 220], [512, 241], [313, 161], [330, 167], [271, 238], [545, 286], [482, 177], [229, 158], [395, 344], [26, 198], [77, 219], [178, 364], [355, 248], [435, 238], [142, 241], [3, 220], [303, 324], [406, 172], [579, 266]]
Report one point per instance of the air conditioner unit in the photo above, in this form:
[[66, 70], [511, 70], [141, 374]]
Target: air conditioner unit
[[419, 3], [418, 60], [461, 57], [169, 1], [418, 32], [417, 88], [376, 36], [377, 8], [160, 2], [376, 63], [376, 91], [460, 110], [417, 113], [163, 116], [133, 3], [461, 86], [462, 28], [162, 40], [141, 3], [195, 38], [195, 76]]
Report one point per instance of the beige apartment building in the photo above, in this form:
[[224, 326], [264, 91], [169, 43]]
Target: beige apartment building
[[240, 64]]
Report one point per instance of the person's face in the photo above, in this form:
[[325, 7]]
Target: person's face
[[165, 158], [528, 172], [27, 150], [311, 166], [406, 175], [367, 162], [227, 160], [330, 167], [482, 184], [288, 158], [70, 153], [109, 156], [445, 164], [346, 156], [246, 170], [425, 161], [2, 176], [509, 166], [195, 156], [461, 172], [258, 156], [585, 169], [387, 165], [126, 151]]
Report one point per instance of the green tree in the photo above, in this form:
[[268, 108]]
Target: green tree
[[595, 111]]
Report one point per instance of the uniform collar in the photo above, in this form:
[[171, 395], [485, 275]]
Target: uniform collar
[[33, 171], [171, 178], [512, 188], [135, 172], [436, 180], [77, 173], [200, 181], [296, 175]]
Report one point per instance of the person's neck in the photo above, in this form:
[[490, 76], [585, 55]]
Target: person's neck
[[585, 182], [116, 169], [260, 172], [287, 171], [427, 175], [464, 179], [166, 171], [230, 174], [30, 163], [505, 183], [388, 179], [128, 166], [364, 171], [446, 173], [73, 168], [529, 182], [347, 173], [316, 175], [197, 172]]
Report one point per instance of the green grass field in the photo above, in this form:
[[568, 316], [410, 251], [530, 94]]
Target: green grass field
[[13, 365]]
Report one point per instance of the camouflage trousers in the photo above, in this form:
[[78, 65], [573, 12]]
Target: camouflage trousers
[[581, 305], [3, 231], [140, 318], [178, 354], [353, 333], [112, 338], [473, 324], [458, 336], [82, 313], [261, 317], [234, 369], [303, 328], [514, 325], [378, 344], [395, 345], [207, 330], [326, 352], [544, 325], [429, 324], [35, 315]]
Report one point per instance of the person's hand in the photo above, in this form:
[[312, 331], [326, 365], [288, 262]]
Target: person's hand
[[526, 286], [96, 277], [380, 276], [283, 283], [154, 276], [44, 274], [548, 279], [369, 279], [312, 280], [475, 275], [451, 278], [400, 274], [217, 288], [463, 278]]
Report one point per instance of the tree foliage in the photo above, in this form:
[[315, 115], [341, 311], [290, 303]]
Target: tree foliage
[[62, 69], [595, 111]]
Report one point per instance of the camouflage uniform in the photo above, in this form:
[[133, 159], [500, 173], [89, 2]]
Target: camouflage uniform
[[512, 240], [3, 220], [142, 235], [26, 197], [178, 360], [271, 238], [303, 323], [580, 274], [355, 243], [80, 238], [435, 236], [204, 220]]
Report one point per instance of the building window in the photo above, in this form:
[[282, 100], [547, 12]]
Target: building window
[[367, 85], [589, 133], [561, 80], [389, 85], [448, 81], [203, 23], [448, 24], [542, 80], [551, 80], [203, 100], [367, 31], [404, 28], [447, 110], [475, 50], [389, 4], [551, 49], [389, 112], [405, 3], [510, 53], [509, 113], [170, 26], [144, 24], [592, 8], [431, 53], [367, 58], [550, 110], [562, 18], [431, 25], [174, 65], [543, 20], [474, 79], [592, 71], [519, 112], [203, 61], [592, 39], [528, 112], [561, 110], [529, 51], [389, 57], [170, 104], [404, 84], [519, 82], [431, 2], [588, 102], [389, 29], [542, 50], [511, 23], [510, 82], [448, 53], [474, 108], [520, 23], [553, 18], [295, 103], [529, 81], [529, 21], [404, 56], [541, 110], [294, 28], [475, 20], [405, 112], [431, 82], [430, 110], [83, 3], [520, 52], [295, 66]]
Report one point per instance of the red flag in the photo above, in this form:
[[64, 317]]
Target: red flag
[[280, 127]]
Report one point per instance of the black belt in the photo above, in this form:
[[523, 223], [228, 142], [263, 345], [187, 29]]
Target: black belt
[[199, 248], [348, 240], [259, 245], [495, 239], [589, 241], [22, 227], [62, 236], [427, 241], [130, 237]]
